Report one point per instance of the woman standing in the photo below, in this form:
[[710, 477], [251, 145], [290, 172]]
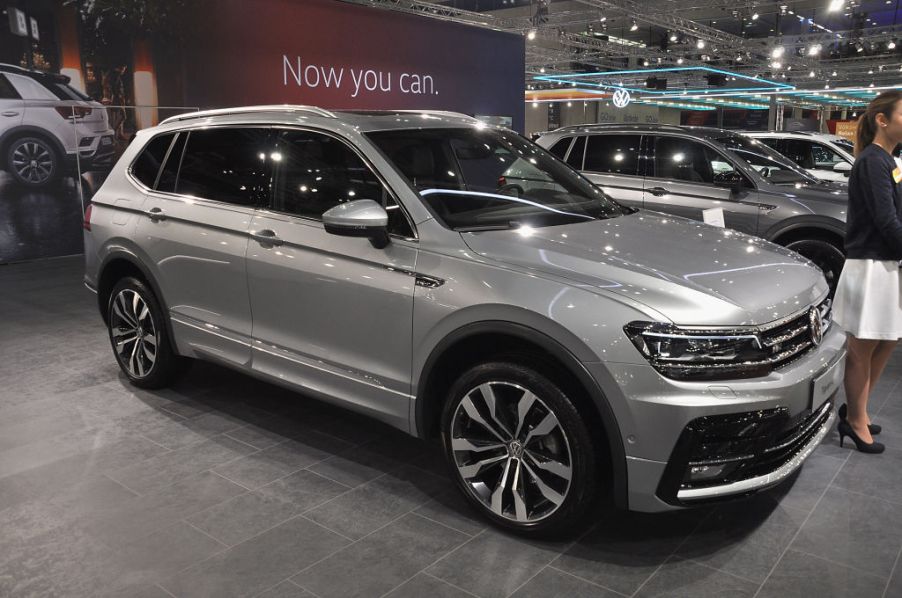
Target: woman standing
[[868, 303]]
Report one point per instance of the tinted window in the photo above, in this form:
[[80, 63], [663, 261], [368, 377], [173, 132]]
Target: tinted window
[[560, 148], [575, 159], [228, 165], [617, 154], [799, 151], [7, 91], [169, 176], [317, 172], [769, 164], [474, 179], [824, 157], [148, 164], [685, 160]]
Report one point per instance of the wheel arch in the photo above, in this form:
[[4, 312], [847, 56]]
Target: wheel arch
[[472, 343], [30, 131]]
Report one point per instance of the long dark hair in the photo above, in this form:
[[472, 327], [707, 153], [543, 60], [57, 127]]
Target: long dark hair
[[867, 124]]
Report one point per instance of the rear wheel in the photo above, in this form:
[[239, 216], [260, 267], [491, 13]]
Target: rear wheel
[[138, 335], [33, 161], [519, 450], [825, 255]]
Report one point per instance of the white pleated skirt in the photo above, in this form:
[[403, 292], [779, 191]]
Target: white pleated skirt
[[868, 301]]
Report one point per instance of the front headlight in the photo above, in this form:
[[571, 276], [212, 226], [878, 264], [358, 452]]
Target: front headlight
[[695, 354]]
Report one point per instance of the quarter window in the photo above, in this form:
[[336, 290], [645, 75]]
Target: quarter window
[[148, 164], [317, 172], [615, 154], [560, 148], [7, 91], [575, 159], [228, 165]]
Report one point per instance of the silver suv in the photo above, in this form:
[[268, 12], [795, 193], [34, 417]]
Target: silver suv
[[459, 282], [686, 170], [48, 128]]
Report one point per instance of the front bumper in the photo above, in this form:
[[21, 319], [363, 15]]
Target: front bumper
[[654, 414]]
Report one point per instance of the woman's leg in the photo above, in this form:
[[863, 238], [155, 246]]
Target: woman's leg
[[857, 383], [879, 360]]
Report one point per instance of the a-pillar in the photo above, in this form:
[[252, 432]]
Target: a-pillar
[[145, 84]]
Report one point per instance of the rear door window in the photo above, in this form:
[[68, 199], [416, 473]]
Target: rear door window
[[560, 148], [575, 159], [29, 89], [231, 165], [614, 154]]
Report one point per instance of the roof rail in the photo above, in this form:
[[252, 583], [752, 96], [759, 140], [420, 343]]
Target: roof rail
[[438, 113], [249, 109]]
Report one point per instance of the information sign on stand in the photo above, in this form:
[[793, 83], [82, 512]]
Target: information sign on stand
[[18, 24]]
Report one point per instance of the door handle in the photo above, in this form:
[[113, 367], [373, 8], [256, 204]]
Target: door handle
[[156, 214], [658, 191], [267, 237], [9, 113]]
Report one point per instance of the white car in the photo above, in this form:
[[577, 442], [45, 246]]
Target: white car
[[48, 128], [827, 157]]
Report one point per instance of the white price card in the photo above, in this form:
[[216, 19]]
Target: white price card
[[714, 217]]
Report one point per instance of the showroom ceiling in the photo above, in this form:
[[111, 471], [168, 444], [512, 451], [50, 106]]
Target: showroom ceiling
[[839, 49]]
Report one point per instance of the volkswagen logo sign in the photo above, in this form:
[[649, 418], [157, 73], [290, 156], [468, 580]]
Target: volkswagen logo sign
[[621, 98], [816, 325]]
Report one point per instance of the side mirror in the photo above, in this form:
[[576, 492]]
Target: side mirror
[[843, 167], [731, 180], [358, 218]]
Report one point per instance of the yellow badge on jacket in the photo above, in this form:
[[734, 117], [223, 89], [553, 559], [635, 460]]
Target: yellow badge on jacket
[[897, 175]]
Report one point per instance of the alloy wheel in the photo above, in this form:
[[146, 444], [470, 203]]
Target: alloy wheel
[[511, 452], [134, 333], [33, 162]]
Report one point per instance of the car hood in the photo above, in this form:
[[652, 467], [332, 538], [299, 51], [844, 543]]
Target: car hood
[[689, 272]]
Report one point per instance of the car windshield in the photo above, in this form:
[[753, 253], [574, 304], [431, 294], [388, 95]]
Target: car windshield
[[765, 161], [483, 178], [845, 144]]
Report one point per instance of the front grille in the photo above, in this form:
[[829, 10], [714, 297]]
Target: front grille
[[738, 447], [787, 341]]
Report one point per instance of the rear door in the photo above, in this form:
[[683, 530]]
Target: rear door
[[195, 233], [688, 177], [614, 163]]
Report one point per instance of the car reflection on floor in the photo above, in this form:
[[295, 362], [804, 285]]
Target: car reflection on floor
[[40, 223]]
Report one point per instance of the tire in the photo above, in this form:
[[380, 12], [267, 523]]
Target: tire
[[33, 162], [537, 454], [133, 312], [825, 255]]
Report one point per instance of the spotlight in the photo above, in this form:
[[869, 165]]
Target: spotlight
[[634, 26], [835, 5], [870, 71], [645, 63], [814, 50], [680, 60], [858, 47], [542, 70], [739, 58], [754, 16], [833, 74], [531, 35], [674, 37], [891, 45], [700, 44], [811, 74], [776, 64], [778, 52]]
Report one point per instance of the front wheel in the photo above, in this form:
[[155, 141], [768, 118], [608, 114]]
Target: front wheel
[[138, 335], [825, 255], [519, 450]]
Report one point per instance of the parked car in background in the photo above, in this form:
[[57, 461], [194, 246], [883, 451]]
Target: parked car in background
[[48, 128], [459, 282], [686, 170], [826, 157]]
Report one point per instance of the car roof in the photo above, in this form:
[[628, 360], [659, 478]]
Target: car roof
[[40, 75], [360, 120], [706, 132]]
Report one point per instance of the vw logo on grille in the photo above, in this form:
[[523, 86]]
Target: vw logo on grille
[[621, 98], [816, 324]]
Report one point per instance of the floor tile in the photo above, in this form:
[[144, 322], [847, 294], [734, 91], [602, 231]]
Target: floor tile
[[678, 578], [426, 585], [855, 530], [164, 553], [259, 563], [554, 583], [286, 589], [381, 561], [494, 564], [802, 576], [304, 489], [243, 517]]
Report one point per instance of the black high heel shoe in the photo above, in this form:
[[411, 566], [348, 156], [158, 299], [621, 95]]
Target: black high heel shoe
[[874, 429], [846, 430]]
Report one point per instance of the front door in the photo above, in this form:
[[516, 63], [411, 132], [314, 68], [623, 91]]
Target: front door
[[686, 180], [194, 230], [332, 314]]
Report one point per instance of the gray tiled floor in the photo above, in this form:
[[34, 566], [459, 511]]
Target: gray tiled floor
[[227, 486]]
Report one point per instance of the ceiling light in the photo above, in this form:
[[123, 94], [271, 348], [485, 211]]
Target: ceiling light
[[542, 70], [634, 26], [776, 64], [891, 45], [680, 61], [755, 16], [645, 63], [811, 74], [858, 47], [673, 37], [833, 74], [739, 58], [700, 44], [569, 104], [870, 71], [531, 35], [778, 51], [871, 85], [602, 19], [827, 86], [835, 5], [814, 50]]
